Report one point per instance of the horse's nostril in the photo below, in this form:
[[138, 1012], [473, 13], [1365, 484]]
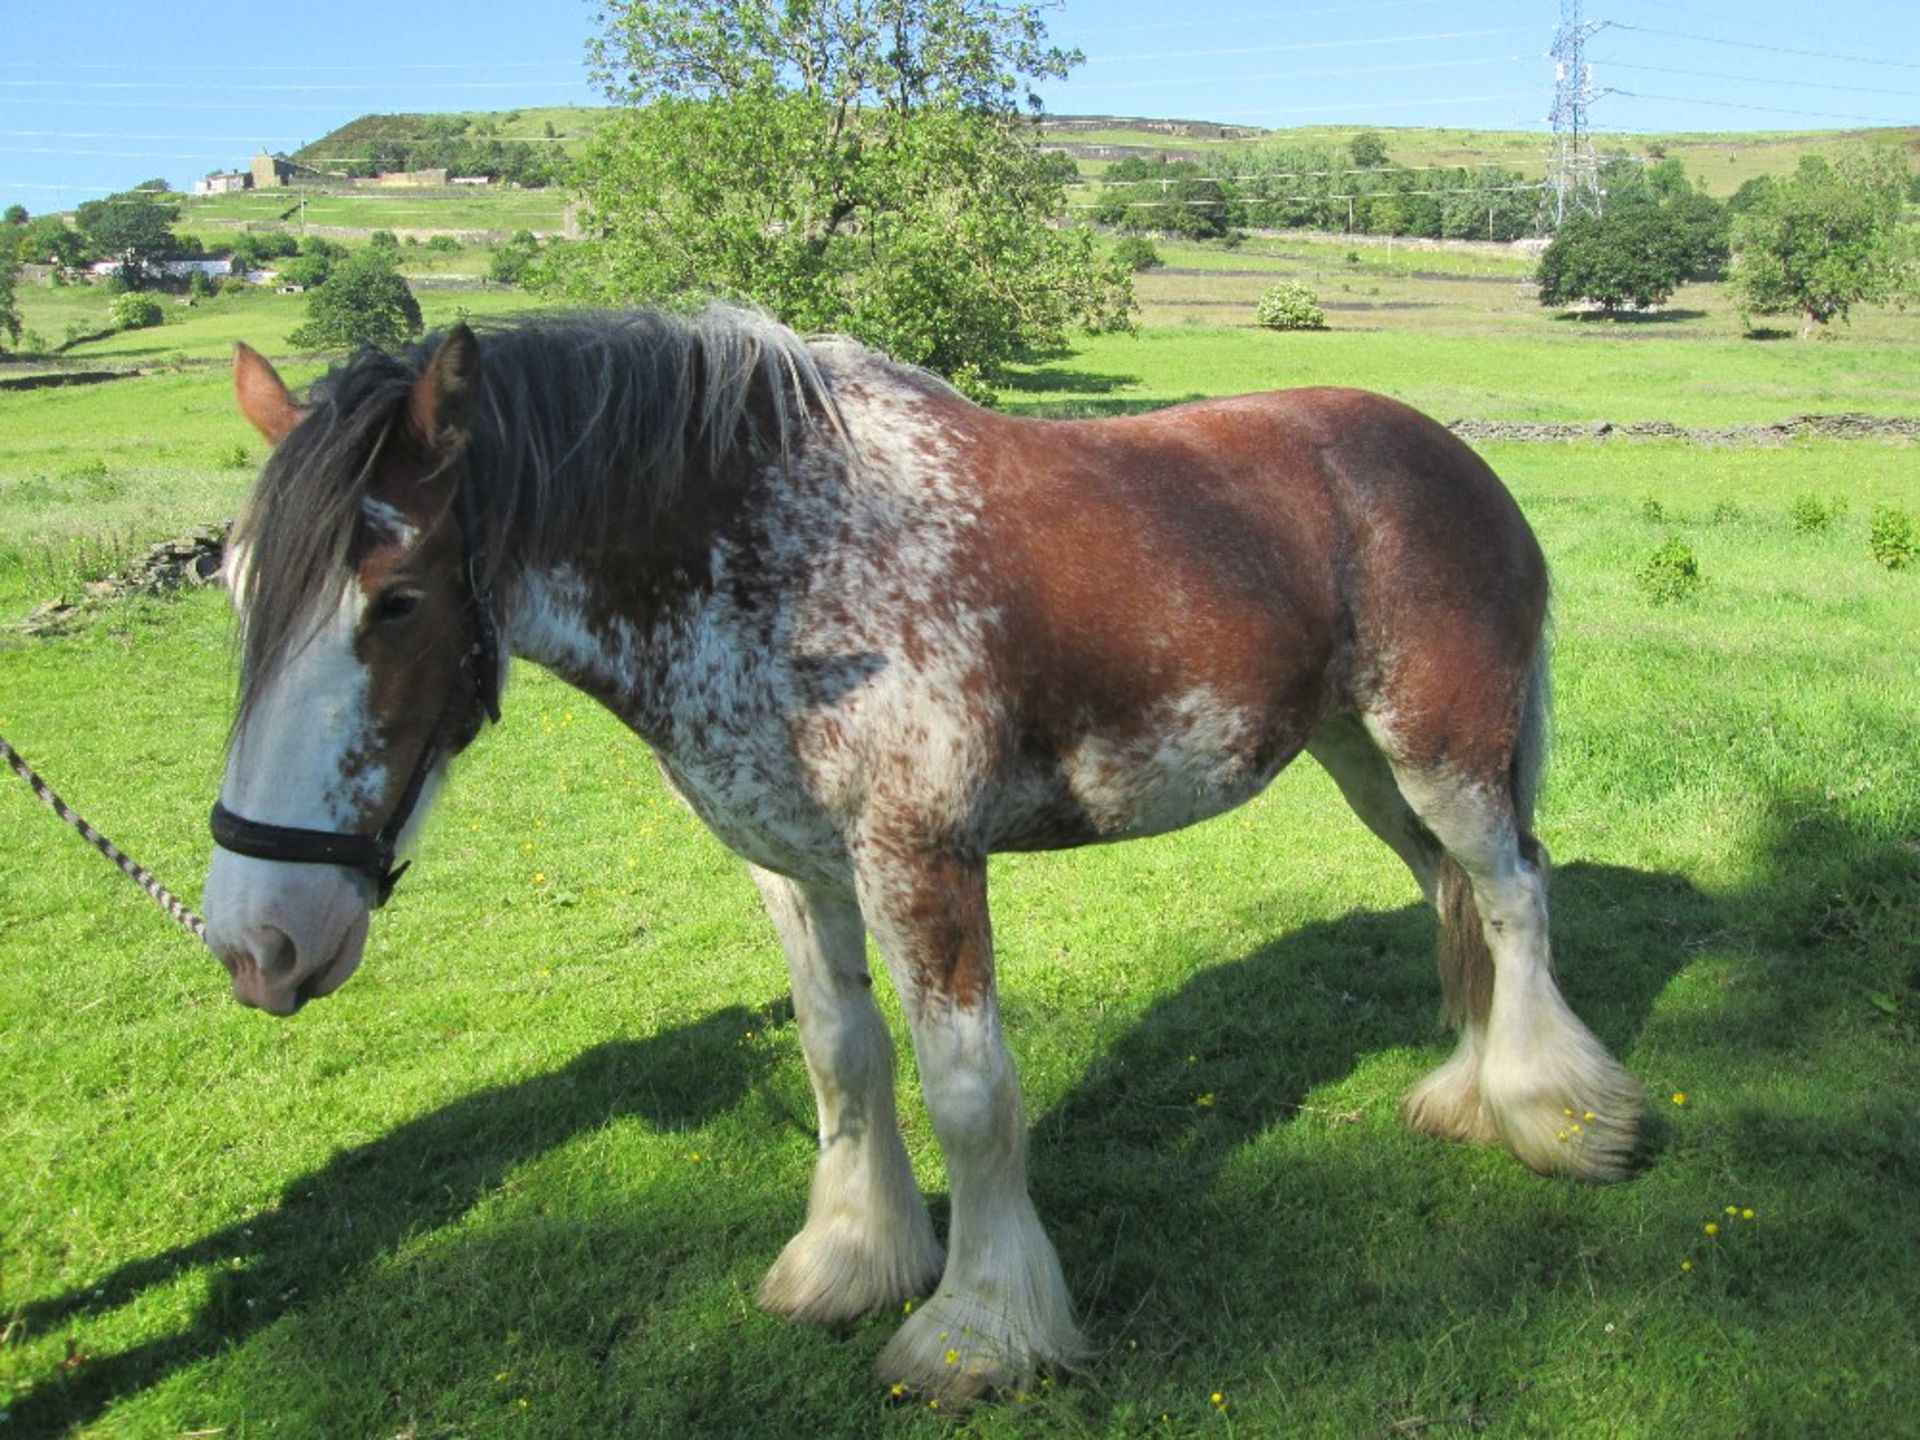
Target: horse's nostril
[[273, 952]]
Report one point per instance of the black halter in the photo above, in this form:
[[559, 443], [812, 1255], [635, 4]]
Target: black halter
[[373, 855]]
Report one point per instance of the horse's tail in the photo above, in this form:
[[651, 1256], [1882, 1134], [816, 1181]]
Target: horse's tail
[[1466, 965]]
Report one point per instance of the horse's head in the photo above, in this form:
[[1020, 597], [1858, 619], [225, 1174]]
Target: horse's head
[[359, 618]]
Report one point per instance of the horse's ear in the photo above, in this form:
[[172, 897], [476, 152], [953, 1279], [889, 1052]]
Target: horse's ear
[[263, 395], [441, 406]]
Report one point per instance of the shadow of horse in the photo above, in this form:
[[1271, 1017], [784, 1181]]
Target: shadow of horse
[[1139, 1169], [1135, 1152], [334, 1222]]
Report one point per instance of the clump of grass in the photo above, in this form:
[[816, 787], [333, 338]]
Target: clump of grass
[[1725, 512], [235, 457], [1671, 573], [1652, 511], [1891, 537], [92, 479], [1812, 516], [65, 571]]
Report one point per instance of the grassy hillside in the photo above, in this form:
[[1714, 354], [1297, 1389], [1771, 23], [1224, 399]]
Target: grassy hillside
[[1722, 159], [568, 126]]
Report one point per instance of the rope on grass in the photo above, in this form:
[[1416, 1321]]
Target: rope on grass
[[177, 909]]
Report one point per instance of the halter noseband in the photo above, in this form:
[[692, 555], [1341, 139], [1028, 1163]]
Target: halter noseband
[[373, 855]]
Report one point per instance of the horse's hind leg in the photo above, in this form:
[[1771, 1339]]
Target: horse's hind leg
[[1527, 1072], [1447, 1102], [867, 1243]]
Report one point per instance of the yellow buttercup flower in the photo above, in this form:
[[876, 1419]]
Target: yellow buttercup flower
[[1218, 1400], [1679, 1097], [1711, 1228], [1747, 1214]]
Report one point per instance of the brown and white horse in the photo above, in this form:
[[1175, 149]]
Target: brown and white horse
[[873, 634]]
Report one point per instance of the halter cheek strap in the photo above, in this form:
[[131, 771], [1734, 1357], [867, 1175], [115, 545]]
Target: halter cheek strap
[[373, 855]]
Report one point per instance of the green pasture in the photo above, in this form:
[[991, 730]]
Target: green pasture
[[505, 209], [521, 1175], [1559, 371]]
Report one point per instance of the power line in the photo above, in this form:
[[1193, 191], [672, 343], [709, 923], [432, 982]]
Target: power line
[[1261, 19], [1306, 74], [1758, 80], [1742, 18], [1372, 105], [1766, 109], [355, 69], [1756, 45], [272, 89], [1308, 45]]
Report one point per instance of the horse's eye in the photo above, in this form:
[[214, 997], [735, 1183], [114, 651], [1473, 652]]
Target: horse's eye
[[395, 604]]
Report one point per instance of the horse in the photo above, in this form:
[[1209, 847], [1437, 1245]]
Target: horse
[[874, 633]]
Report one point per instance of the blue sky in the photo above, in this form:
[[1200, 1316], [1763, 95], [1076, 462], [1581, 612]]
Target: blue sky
[[90, 105]]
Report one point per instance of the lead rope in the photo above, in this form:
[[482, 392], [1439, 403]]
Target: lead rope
[[177, 909]]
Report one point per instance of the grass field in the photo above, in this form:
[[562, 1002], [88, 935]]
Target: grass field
[[521, 1176], [401, 210]]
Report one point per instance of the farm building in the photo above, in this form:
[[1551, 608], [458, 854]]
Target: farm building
[[224, 182], [271, 171]]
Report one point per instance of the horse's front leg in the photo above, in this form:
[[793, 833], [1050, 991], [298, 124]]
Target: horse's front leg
[[867, 1243], [1002, 1311]]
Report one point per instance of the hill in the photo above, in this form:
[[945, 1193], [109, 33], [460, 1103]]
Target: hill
[[1723, 160]]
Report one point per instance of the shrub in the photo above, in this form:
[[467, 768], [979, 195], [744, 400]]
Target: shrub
[[443, 243], [135, 310], [384, 240], [510, 261], [364, 302], [1290, 306], [199, 286], [1136, 252], [1671, 573], [1811, 516], [1892, 538]]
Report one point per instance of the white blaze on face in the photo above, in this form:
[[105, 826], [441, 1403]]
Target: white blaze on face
[[298, 761]]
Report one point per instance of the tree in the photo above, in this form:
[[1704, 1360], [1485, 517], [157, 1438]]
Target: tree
[[1700, 219], [364, 303], [50, 241], [1632, 255], [1826, 239], [16, 215], [134, 228], [10, 323], [852, 165], [1168, 197], [1368, 150]]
